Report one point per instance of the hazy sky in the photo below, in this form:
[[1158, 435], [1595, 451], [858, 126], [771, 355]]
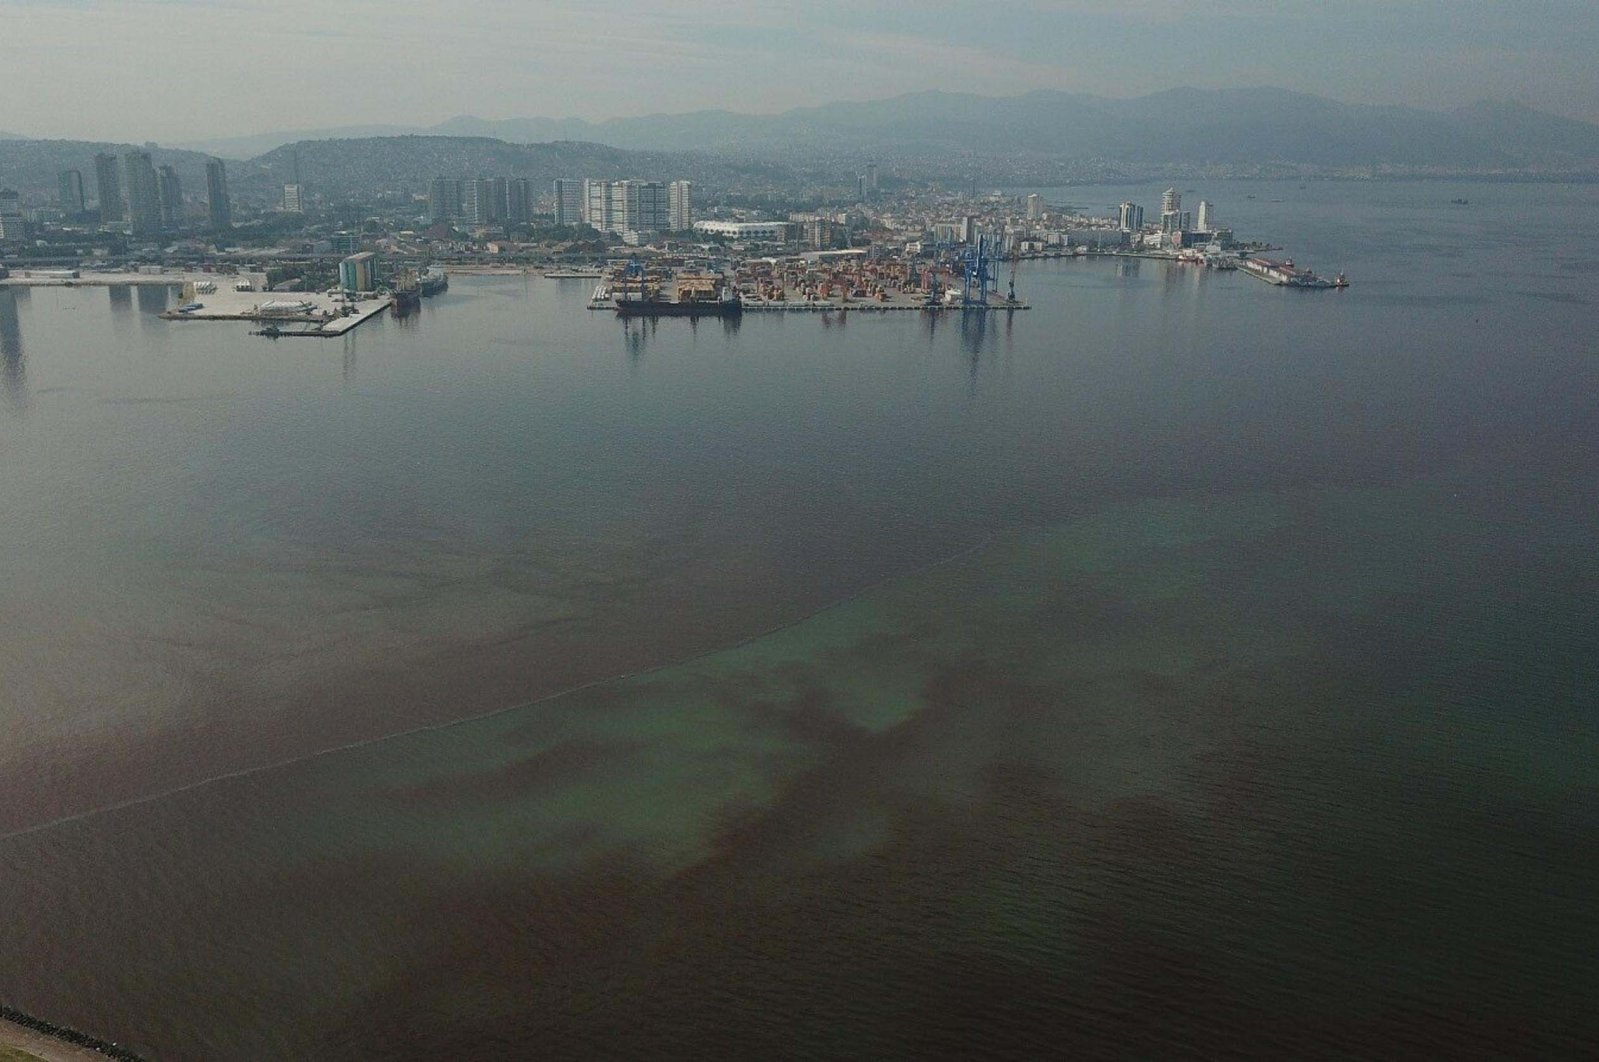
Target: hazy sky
[[173, 70]]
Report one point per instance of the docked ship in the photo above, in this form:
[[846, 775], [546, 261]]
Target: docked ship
[[697, 296], [433, 282], [593, 273], [1286, 274]]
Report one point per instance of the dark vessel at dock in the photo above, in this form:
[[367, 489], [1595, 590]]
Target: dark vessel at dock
[[697, 296]]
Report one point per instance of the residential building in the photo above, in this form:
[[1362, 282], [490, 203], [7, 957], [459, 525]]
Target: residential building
[[171, 195], [444, 199], [12, 226], [219, 212], [499, 199], [359, 272], [71, 192], [1207, 217], [108, 187], [569, 201], [519, 200], [597, 204], [477, 201], [1035, 207], [143, 194], [294, 199], [1170, 201], [680, 206], [1130, 217]]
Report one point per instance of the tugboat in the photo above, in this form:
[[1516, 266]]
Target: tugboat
[[271, 331]]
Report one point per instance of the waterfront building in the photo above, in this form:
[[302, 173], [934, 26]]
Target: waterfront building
[[294, 199], [626, 207], [1207, 217], [1130, 216], [218, 211], [142, 193], [359, 272], [680, 206], [71, 192], [1170, 201], [171, 194], [108, 186], [1035, 207], [569, 201], [444, 199]]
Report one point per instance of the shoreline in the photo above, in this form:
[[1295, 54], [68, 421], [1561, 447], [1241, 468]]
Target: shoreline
[[55, 1043]]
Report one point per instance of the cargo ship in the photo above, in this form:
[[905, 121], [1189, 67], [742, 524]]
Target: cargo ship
[[697, 296], [1286, 274]]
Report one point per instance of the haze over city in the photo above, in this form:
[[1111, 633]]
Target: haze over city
[[234, 68]]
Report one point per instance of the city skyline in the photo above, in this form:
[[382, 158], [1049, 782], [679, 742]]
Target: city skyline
[[497, 60]]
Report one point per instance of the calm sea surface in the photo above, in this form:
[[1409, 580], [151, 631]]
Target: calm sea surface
[[1186, 667]]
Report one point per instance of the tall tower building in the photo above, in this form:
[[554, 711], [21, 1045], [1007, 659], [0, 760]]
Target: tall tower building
[[569, 201], [219, 212], [477, 201], [680, 205], [1171, 201], [108, 186], [499, 199], [71, 192], [1130, 216], [444, 199], [1035, 207], [294, 198], [1207, 217], [597, 204], [12, 227], [171, 190], [143, 194], [519, 200], [871, 178]]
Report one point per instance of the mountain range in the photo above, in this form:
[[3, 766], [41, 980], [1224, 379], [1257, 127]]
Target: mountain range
[[1181, 127]]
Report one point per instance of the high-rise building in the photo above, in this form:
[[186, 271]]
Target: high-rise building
[[569, 201], [1207, 217], [519, 200], [871, 177], [359, 272], [1170, 200], [597, 204], [218, 211], [294, 199], [860, 187], [11, 223], [477, 201], [1130, 216], [499, 199], [680, 206], [444, 199], [108, 186], [71, 192], [143, 194], [171, 192], [1035, 207], [640, 206]]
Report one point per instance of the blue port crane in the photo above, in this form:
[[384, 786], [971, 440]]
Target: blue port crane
[[979, 275]]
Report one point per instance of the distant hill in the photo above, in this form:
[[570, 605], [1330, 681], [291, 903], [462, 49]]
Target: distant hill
[[410, 162], [1180, 127]]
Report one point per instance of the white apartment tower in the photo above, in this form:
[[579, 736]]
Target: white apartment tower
[[680, 196]]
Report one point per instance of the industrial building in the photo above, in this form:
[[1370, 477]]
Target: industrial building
[[359, 272], [763, 231]]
